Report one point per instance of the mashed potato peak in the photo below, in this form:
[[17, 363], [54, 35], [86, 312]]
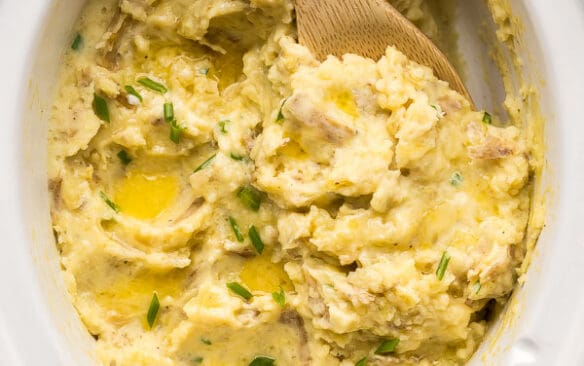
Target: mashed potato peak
[[309, 213]]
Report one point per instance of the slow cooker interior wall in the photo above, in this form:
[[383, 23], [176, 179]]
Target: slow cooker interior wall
[[72, 339], [514, 338]]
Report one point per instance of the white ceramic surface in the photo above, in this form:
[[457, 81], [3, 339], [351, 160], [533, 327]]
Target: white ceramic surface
[[38, 326]]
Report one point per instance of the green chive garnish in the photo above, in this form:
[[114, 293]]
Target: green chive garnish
[[176, 132], [441, 270], [109, 202], [153, 310], [206, 163], [362, 362], [77, 42], [239, 290], [130, 90], [456, 179], [197, 359], [153, 85], [206, 341], [168, 112], [388, 346], [235, 229], [223, 126], [256, 240], [204, 71], [100, 108], [487, 118], [236, 156], [250, 197], [280, 116], [476, 287], [279, 297], [124, 157], [262, 361]]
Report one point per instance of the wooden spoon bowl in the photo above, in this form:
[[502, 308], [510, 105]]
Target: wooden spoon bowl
[[367, 28]]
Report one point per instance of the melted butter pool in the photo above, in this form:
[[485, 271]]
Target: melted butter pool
[[145, 196], [343, 99], [261, 274], [130, 297]]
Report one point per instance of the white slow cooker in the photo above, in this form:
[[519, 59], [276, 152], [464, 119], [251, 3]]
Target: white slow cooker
[[38, 325]]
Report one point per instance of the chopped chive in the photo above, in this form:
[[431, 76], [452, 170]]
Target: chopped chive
[[441, 270], [236, 156], [153, 85], [280, 116], [476, 287], [456, 179], [176, 132], [235, 229], [100, 108], [109, 202], [168, 112], [262, 361], [223, 126], [279, 297], [487, 118], [197, 359], [256, 239], [124, 157], [204, 71], [77, 42], [130, 90], [388, 346], [206, 163], [206, 341], [239, 290], [362, 362], [250, 197], [439, 112], [153, 310]]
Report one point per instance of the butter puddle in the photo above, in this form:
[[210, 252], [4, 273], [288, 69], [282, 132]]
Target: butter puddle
[[145, 196], [128, 298], [261, 274], [343, 100]]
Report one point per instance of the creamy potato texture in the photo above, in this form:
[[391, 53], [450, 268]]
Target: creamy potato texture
[[278, 208]]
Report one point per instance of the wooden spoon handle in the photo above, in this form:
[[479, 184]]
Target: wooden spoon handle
[[367, 27]]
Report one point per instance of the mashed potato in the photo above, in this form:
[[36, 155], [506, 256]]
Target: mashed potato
[[220, 196]]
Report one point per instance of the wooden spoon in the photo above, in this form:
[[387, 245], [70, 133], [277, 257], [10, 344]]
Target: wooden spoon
[[366, 28]]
